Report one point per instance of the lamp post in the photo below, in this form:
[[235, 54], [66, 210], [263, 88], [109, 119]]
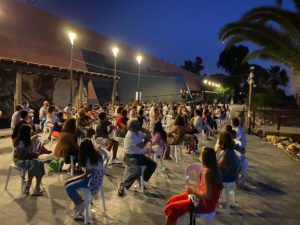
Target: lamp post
[[72, 37], [138, 94], [115, 51], [250, 107]]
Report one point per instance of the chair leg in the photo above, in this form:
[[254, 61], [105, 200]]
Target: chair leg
[[72, 165], [227, 200], [142, 180], [7, 178], [102, 196], [87, 206], [22, 173], [176, 153]]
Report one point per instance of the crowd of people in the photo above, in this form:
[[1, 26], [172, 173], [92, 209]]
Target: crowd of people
[[143, 129]]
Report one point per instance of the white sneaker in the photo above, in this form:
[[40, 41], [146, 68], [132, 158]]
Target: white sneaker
[[78, 210], [116, 161]]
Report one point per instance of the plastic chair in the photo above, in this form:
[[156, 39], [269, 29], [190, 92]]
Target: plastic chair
[[88, 201], [22, 174], [177, 149], [45, 130], [158, 153], [52, 140], [196, 168], [229, 192], [142, 168]]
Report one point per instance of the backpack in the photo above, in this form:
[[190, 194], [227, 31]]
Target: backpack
[[56, 165]]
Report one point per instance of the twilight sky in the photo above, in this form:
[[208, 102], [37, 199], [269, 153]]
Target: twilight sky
[[172, 30]]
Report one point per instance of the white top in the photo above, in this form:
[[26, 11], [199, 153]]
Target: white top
[[15, 118], [43, 113], [198, 121], [240, 136], [131, 141]]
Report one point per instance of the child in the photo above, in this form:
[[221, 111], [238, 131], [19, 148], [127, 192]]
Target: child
[[159, 138], [208, 192], [92, 177]]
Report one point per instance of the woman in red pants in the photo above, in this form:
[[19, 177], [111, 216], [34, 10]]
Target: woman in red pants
[[208, 192]]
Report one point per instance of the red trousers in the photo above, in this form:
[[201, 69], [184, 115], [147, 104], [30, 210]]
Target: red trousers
[[177, 206]]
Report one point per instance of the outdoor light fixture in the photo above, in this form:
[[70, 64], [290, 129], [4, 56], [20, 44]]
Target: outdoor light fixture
[[115, 51], [139, 59], [205, 81], [72, 37], [209, 83]]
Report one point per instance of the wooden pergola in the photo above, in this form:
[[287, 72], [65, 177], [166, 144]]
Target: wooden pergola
[[19, 67]]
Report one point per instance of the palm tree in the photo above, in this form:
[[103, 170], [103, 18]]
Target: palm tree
[[274, 30]]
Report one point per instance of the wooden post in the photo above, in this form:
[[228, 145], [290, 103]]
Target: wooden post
[[80, 90], [18, 89]]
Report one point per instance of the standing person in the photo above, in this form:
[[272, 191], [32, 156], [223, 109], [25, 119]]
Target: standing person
[[241, 139], [43, 114], [91, 160], [135, 142], [15, 118], [26, 157], [208, 192]]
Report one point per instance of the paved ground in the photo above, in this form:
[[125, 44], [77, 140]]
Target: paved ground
[[274, 196]]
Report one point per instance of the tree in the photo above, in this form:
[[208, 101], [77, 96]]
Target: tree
[[274, 30], [231, 60], [194, 67]]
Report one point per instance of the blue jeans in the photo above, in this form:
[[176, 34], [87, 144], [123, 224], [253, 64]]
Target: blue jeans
[[72, 188]]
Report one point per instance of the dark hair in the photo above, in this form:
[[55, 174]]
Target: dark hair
[[225, 141], [18, 107], [124, 112], [23, 113], [60, 115], [227, 128], [158, 128], [198, 112], [119, 109], [24, 135], [141, 112], [87, 151], [102, 115], [51, 109], [179, 121], [70, 126], [235, 122], [209, 160]]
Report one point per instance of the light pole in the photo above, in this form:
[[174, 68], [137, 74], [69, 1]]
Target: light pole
[[250, 107], [72, 37], [138, 95], [115, 51]]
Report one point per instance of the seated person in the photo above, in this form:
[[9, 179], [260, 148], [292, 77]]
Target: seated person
[[135, 142], [84, 124], [67, 142], [122, 124], [208, 192], [159, 139], [26, 157], [228, 161], [176, 135], [103, 130], [59, 122], [90, 159]]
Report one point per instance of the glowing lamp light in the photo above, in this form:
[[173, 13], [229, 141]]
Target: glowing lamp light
[[72, 37], [205, 81], [115, 51], [209, 83], [139, 59]]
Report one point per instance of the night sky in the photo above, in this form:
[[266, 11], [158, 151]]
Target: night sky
[[172, 30]]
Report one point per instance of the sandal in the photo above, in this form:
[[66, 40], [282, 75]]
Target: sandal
[[38, 192]]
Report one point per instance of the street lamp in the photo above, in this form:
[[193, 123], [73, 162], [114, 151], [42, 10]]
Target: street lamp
[[72, 37], [138, 94], [250, 108], [115, 51]]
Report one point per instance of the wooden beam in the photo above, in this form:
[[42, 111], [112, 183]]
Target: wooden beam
[[80, 91], [18, 89]]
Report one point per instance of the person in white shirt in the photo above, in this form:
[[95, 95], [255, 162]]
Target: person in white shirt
[[15, 118], [241, 139], [43, 114], [135, 142]]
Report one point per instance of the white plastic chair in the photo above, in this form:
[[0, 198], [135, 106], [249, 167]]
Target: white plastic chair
[[196, 168], [142, 168], [22, 175], [158, 153], [229, 192], [88, 201], [52, 140], [45, 130], [177, 149]]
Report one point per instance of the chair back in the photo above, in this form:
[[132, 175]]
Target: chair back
[[196, 168], [105, 156]]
